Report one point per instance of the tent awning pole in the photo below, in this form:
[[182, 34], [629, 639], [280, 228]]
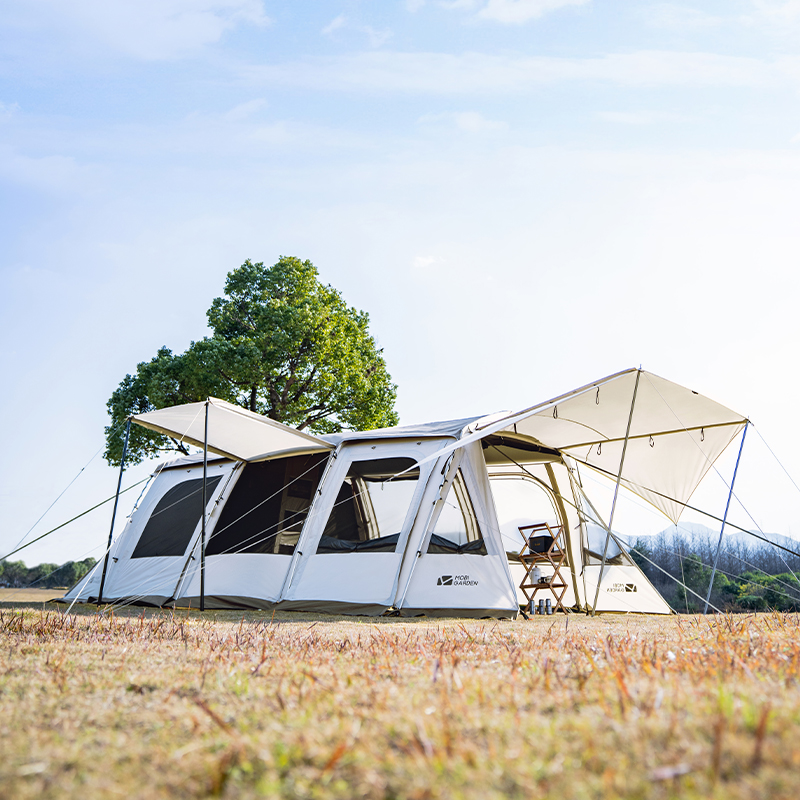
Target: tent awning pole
[[724, 520], [203, 517], [114, 512], [616, 492]]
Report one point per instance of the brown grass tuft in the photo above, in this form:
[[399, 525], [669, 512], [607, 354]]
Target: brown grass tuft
[[153, 704]]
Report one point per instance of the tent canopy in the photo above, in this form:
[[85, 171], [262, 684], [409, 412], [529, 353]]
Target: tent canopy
[[232, 431], [676, 434]]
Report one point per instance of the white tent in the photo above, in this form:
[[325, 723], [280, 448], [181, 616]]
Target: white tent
[[410, 519]]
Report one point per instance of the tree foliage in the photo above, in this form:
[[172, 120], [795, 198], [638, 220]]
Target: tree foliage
[[43, 576], [749, 577], [283, 345]]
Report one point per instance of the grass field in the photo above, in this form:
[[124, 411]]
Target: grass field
[[154, 704]]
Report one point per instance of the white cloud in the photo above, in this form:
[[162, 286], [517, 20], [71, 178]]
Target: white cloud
[[468, 121], [777, 18], [334, 25], [778, 11], [517, 12], [51, 174], [146, 29], [8, 109], [375, 37], [423, 262], [670, 15], [245, 110], [642, 117], [477, 73], [459, 5]]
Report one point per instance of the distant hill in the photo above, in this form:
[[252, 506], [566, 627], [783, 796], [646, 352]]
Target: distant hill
[[693, 531]]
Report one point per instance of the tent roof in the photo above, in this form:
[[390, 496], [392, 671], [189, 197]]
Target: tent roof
[[451, 428], [232, 431], [676, 434]]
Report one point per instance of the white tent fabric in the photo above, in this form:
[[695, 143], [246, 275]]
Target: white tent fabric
[[270, 525], [676, 434], [232, 431]]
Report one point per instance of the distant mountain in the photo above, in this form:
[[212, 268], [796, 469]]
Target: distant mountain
[[698, 532]]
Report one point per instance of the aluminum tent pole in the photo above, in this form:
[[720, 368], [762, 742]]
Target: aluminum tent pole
[[203, 518], [724, 520], [616, 492], [114, 512]]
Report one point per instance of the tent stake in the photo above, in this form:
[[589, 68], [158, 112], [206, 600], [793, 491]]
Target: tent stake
[[616, 491], [203, 518], [724, 520], [114, 512]]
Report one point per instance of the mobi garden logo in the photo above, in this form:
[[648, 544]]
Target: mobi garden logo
[[456, 580], [622, 587]]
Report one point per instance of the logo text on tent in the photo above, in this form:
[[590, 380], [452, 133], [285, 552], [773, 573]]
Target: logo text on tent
[[623, 587], [456, 580]]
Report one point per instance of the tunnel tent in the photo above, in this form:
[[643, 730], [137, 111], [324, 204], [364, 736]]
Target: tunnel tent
[[406, 518]]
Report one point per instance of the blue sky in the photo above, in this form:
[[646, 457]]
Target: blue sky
[[524, 195]]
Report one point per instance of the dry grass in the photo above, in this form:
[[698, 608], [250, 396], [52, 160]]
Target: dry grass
[[27, 596], [160, 705]]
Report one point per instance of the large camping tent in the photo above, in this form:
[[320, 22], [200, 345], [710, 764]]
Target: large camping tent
[[406, 519]]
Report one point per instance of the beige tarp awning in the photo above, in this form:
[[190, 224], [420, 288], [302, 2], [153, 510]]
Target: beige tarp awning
[[676, 434], [232, 431]]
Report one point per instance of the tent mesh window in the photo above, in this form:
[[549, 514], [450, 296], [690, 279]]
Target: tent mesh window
[[522, 499], [457, 529], [267, 507], [594, 544], [371, 507], [174, 519]]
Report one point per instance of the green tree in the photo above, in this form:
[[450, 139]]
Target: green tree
[[642, 555], [283, 345], [696, 576]]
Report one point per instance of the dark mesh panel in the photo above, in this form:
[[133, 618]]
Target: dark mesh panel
[[172, 523], [343, 521], [438, 544], [361, 519], [267, 507]]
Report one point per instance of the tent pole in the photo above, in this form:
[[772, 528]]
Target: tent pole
[[724, 520], [114, 512], [616, 491], [203, 518]]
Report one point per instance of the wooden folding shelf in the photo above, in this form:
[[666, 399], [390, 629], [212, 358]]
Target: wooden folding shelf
[[554, 557]]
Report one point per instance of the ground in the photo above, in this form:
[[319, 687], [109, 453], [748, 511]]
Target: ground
[[153, 704]]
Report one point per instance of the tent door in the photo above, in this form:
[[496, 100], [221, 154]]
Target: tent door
[[350, 552]]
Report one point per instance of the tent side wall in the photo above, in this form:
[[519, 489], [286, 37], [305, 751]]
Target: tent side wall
[[148, 556], [357, 571], [460, 583], [253, 533]]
